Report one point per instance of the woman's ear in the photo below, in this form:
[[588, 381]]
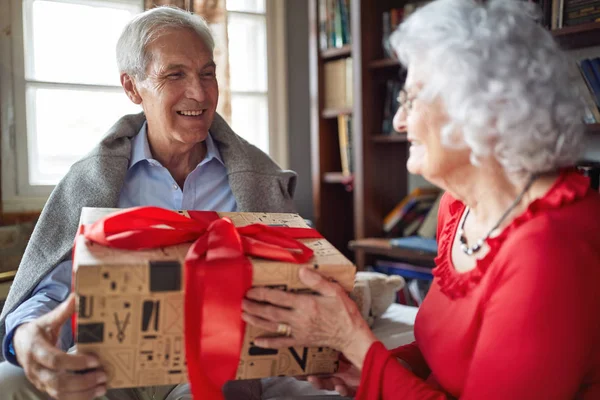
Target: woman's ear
[[129, 84]]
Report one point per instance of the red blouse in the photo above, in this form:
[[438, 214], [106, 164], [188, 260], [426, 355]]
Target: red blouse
[[524, 324]]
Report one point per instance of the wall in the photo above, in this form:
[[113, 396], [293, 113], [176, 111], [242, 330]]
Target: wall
[[13, 240], [296, 15]]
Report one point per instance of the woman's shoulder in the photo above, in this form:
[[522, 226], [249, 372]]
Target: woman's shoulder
[[559, 228]]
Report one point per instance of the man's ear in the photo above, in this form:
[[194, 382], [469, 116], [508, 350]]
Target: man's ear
[[129, 84]]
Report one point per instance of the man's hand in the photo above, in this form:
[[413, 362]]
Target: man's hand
[[51, 370]]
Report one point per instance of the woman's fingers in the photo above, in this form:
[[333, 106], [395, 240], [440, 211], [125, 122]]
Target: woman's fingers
[[277, 342], [273, 296], [268, 326], [266, 311], [318, 282]]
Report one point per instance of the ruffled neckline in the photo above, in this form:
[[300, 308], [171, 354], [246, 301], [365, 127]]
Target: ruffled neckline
[[568, 187]]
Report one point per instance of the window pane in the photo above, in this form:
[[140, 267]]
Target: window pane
[[247, 52], [249, 116], [257, 6], [66, 124], [73, 42]]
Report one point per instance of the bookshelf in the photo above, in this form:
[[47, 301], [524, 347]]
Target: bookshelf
[[352, 220], [578, 36], [336, 177], [335, 53], [335, 112], [392, 138], [382, 247]]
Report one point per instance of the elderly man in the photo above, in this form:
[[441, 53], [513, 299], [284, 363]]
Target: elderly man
[[177, 154]]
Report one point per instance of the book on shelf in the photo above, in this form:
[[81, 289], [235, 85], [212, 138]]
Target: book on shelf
[[390, 21], [590, 70], [428, 228], [390, 105], [417, 243], [591, 111], [334, 24], [557, 14], [418, 280], [345, 141], [338, 83], [416, 203]]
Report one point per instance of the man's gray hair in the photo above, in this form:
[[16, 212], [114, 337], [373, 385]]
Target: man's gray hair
[[141, 31], [504, 82]]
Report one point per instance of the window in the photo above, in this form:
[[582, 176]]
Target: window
[[257, 69], [247, 31], [69, 94], [61, 90]]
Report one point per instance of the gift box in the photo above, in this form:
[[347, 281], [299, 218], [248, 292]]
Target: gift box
[[135, 314]]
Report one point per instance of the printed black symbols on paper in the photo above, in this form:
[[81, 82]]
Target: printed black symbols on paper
[[300, 360], [259, 351], [90, 333], [121, 326], [150, 315], [165, 276], [86, 307]]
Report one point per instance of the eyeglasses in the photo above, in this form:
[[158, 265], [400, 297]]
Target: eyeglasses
[[405, 101]]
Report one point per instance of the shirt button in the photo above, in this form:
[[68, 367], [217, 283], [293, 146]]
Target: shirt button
[[175, 186]]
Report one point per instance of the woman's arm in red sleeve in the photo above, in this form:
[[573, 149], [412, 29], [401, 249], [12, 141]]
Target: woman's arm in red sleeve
[[383, 377], [412, 356]]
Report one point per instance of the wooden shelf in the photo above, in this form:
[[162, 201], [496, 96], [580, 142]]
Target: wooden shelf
[[390, 138], [330, 54], [575, 37], [382, 247], [336, 177], [335, 112], [592, 129], [7, 276], [384, 63]]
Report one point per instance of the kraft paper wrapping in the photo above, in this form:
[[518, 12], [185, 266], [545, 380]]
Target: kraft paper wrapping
[[131, 313]]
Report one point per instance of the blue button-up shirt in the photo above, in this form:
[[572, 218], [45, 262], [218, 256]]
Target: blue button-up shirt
[[147, 183]]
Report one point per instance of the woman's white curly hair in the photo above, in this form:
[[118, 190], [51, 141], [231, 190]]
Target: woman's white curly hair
[[502, 78]]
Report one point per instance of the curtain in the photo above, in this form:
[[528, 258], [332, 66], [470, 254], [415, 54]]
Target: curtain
[[215, 14]]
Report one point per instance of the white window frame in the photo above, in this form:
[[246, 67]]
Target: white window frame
[[276, 79], [17, 194], [277, 82]]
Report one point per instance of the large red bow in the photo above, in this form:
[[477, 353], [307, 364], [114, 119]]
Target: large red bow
[[217, 276]]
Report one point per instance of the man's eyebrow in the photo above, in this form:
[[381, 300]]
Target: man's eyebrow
[[182, 66], [174, 66]]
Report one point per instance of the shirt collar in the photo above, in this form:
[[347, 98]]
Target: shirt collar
[[140, 149]]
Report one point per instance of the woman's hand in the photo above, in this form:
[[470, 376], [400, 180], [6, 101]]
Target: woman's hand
[[329, 320], [345, 381]]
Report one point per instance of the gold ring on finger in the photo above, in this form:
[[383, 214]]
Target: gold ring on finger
[[284, 329]]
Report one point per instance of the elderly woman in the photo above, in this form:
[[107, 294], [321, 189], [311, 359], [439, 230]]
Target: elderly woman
[[492, 119], [177, 154]]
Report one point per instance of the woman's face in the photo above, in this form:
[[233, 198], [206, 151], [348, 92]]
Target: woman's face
[[423, 122]]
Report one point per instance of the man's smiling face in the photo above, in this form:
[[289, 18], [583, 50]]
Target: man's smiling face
[[180, 92]]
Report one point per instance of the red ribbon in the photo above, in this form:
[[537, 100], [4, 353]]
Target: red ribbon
[[217, 276]]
